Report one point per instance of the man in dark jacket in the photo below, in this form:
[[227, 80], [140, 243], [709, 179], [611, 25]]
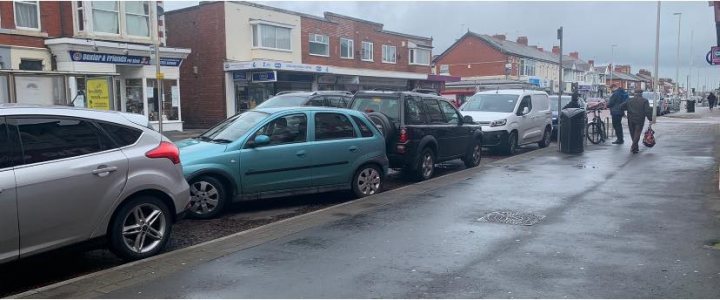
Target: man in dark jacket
[[711, 100], [638, 108], [574, 101], [618, 98]]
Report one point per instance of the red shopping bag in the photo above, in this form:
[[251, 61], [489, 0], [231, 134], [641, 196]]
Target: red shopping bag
[[649, 139]]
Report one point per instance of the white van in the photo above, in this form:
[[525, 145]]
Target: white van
[[510, 118]]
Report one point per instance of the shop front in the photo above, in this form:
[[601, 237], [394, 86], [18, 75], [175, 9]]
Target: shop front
[[122, 77]]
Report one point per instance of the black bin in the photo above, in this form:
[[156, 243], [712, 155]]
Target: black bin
[[690, 106], [572, 130]]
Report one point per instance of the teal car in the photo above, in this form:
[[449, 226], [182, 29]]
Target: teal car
[[274, 152]]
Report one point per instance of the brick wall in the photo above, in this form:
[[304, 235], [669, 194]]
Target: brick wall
[[201, 29], [473, 57], [50, 23], [359, 32]]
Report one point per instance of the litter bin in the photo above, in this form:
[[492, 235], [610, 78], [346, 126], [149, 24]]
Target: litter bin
[[572, 130], [690, 106]]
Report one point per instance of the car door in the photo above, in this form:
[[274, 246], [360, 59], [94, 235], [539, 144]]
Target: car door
[[439, 128], [282, 164], [9, 233], [70, 176], [459, 135], [541, 115], [336, 147], [524, 121]]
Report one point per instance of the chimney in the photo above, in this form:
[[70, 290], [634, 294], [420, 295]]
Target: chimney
[[591, 62], [575, 55], [499, 37], [522, 40], [556, 50], [541, 49]]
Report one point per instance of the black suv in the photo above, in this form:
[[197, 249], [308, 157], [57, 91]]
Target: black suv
[[320, 98], [421, 130]]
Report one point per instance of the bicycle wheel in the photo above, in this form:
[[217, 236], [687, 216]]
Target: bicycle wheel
[[603, 133], [593, 133]]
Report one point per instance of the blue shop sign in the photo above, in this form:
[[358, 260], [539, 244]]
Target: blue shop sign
[[239, 75], [270, 76], [120, 59]]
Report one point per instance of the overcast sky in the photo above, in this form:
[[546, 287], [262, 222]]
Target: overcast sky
[[590, 27]]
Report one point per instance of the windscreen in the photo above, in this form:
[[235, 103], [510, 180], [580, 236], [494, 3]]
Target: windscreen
[[491, 103], [390, 106], [234, 127]]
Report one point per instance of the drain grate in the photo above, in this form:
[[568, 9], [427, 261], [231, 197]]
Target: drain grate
[[511, 218]]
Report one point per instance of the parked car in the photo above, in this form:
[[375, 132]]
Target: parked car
[[339, 99], [511, 118], [596, 103], [554, 107], [661, 109], [273, 152], [421, 130], [73, 175]]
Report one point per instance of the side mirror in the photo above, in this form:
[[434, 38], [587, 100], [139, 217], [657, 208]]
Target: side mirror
[[468, 120], [261, 140]]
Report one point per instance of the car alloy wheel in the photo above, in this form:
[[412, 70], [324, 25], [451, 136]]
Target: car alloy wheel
[[204, 197], [144, 228], [476, 154], [368, 181], [427, 165]]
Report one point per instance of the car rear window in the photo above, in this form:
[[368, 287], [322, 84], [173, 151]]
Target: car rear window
[[390, 106], [122, 135]]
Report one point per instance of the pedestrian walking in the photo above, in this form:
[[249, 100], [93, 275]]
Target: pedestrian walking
[[711, 100], [618, 98], [574, 101], [638, 109]]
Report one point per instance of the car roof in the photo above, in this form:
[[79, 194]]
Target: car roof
[[512, 92], [7, 109], [397, 93], [277, 110], [306, 93]]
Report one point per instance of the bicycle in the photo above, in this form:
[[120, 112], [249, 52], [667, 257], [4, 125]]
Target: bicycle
[[596, 129]]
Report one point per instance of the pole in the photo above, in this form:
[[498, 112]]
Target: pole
[[692, 32], [158, 82], [677, 60], [560, 84], [657, 55], [612, 58]]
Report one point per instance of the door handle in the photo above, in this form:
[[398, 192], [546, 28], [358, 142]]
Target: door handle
[[104, 170], [301, 153], [353, 149]]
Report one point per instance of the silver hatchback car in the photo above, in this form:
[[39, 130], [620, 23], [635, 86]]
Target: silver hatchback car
[[71, 175]]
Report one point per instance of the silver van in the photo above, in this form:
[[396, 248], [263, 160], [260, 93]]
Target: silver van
[[71, 175]]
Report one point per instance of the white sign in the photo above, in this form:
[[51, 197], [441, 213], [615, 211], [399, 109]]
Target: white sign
[[34, 90], [150, 91], [175, 95], [275, 65]]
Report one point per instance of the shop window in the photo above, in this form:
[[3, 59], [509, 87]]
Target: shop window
[[27, 14], [272, 37], [347, 48], [367, 51], [106, 16], [137, 16], [31, 64], [40, 90], [134, 96], [171, 101], [319, 44], [389, 55], [420, 57], [4, 91]]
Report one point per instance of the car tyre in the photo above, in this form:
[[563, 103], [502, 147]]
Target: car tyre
[[382, 122], [140, 228], [511, 146], [474, 155], [207, 198], [425, 168], [368, 181], [546, 138]]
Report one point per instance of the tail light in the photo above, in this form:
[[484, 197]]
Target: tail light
[[404, 136], [165, 150]]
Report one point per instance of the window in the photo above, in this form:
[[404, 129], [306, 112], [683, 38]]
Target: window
[[106, 17], [317, 101], [31, 64], [347, 48], [337, 101], [5, 151], [137, 18], [272, 37], [434, 112], [27, 14], [40, 90], [80, 16], [413, 112], [389, 54], [365, 130], [45, 139], [319, 45], [420, 57], [332, 126], [450, 114], [286, 130], [367, 51], [527, 67], [444, 69], [122, 135], [525, 102]]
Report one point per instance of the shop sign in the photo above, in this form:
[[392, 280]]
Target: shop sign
[[713, 56], [270, 76], [266, 64], [239, 76], [98, 94], [120, 59]]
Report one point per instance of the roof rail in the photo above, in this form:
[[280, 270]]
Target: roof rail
[[426, 91], [288, 92]]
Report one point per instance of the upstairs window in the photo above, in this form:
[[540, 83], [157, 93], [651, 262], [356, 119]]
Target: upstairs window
[[389, 55], [137, 18], [319, 45], [367, 51], [271, 37], [106, 16], [420, 57], [80, 16], [27, 14], [347, 48]]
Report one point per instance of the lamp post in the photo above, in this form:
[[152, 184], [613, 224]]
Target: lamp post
[[656, 101], [612, 57], [158, 74], [560, 84], [677, 61]]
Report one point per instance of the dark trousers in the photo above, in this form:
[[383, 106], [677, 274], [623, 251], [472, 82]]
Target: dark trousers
[[635, 128], [617, 125]]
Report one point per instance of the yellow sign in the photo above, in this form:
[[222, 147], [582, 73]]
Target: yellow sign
[[98, 94], [160, 75]]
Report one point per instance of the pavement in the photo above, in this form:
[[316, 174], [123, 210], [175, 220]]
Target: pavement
[[602, 224]]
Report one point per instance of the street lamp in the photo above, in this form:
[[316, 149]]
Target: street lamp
[[612, 57], [656, 84], [677, 67]]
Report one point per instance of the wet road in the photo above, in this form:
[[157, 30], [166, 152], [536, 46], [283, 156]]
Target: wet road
[[65, 264], [611, 225]]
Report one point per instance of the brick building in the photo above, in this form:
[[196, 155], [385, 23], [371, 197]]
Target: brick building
[[244, 53], [86, 54]]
